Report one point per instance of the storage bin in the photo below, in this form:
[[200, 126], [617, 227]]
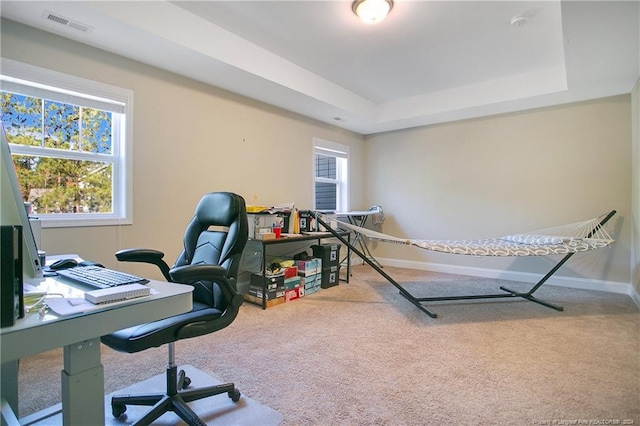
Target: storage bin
[[329, 253]]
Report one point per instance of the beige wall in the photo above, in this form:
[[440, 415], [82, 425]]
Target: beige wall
[[189, 138], [635, 259], [507, 174], [471, 179]]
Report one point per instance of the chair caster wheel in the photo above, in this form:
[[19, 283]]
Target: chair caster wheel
[[234, 395], [183, 380], [118, 409]]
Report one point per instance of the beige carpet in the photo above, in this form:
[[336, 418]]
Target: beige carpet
[[359, 354]]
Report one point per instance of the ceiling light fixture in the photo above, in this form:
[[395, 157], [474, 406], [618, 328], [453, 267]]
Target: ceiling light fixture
[[371, 11], [519, 21]]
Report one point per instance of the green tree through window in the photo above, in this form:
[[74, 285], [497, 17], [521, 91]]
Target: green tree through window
[[67, 164], [71, 143]]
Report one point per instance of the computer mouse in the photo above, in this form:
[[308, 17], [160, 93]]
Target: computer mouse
[[63, 264]]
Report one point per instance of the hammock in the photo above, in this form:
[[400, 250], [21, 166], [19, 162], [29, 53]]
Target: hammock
[[572, 238], [566, 240]]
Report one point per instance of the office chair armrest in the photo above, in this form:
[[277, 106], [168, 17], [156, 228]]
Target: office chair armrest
[[143, 255], [212, 273]]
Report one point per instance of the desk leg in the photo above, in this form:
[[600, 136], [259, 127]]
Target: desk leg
[[9, 391], [83, 384], [8, 416]]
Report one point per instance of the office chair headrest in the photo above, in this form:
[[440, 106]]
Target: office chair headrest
[[214, 211], [218, 208]]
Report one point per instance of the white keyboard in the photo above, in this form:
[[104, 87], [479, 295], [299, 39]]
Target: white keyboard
[[98, 277]]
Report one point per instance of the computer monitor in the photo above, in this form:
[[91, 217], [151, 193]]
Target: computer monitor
[[13, 212]]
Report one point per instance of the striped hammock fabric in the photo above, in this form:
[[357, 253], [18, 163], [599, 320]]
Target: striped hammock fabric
[[573, 238]]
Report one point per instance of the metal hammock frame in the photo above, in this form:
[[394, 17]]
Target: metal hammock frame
[[595, 231]]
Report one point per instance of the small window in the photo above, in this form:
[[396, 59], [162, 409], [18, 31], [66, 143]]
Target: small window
[[331, 162], [70, 145]]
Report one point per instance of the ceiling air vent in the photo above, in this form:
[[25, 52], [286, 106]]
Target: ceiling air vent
[[54, 17]]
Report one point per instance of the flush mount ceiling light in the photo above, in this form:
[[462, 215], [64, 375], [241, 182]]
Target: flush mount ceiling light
[[371, 11], [519, 21]]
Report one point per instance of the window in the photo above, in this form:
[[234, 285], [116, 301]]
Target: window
[[70, 141], [330, 175]]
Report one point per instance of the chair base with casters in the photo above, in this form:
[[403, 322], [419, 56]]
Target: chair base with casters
[[174, 399]]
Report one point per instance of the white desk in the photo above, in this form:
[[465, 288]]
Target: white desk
[[359, 218], [79, 335]]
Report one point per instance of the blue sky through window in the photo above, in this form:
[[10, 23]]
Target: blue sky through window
[[58, 122]]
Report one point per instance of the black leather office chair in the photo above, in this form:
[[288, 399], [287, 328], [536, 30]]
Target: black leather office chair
[[213, 244]]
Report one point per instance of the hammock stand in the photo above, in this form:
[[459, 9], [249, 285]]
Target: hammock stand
[[418, 301]]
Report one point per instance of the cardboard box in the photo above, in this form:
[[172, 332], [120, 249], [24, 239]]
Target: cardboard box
[[258, 300], [290, 272], [329, 253], [312, 281], [309, 267], [265, 236], [270, 283], [293, 294], [330, 276], [257, 292], [312, 284], [269, 295], [293, 282], [311, 290]]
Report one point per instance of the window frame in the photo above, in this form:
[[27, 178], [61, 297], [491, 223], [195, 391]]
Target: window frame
[[91, 94], [341, 153]]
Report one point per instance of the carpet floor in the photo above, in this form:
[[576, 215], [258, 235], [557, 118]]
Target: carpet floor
[[361, 354]]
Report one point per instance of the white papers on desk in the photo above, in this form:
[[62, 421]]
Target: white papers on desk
[[75, 305], [69, 305]]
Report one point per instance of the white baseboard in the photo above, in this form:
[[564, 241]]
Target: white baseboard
[[581, 283]]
